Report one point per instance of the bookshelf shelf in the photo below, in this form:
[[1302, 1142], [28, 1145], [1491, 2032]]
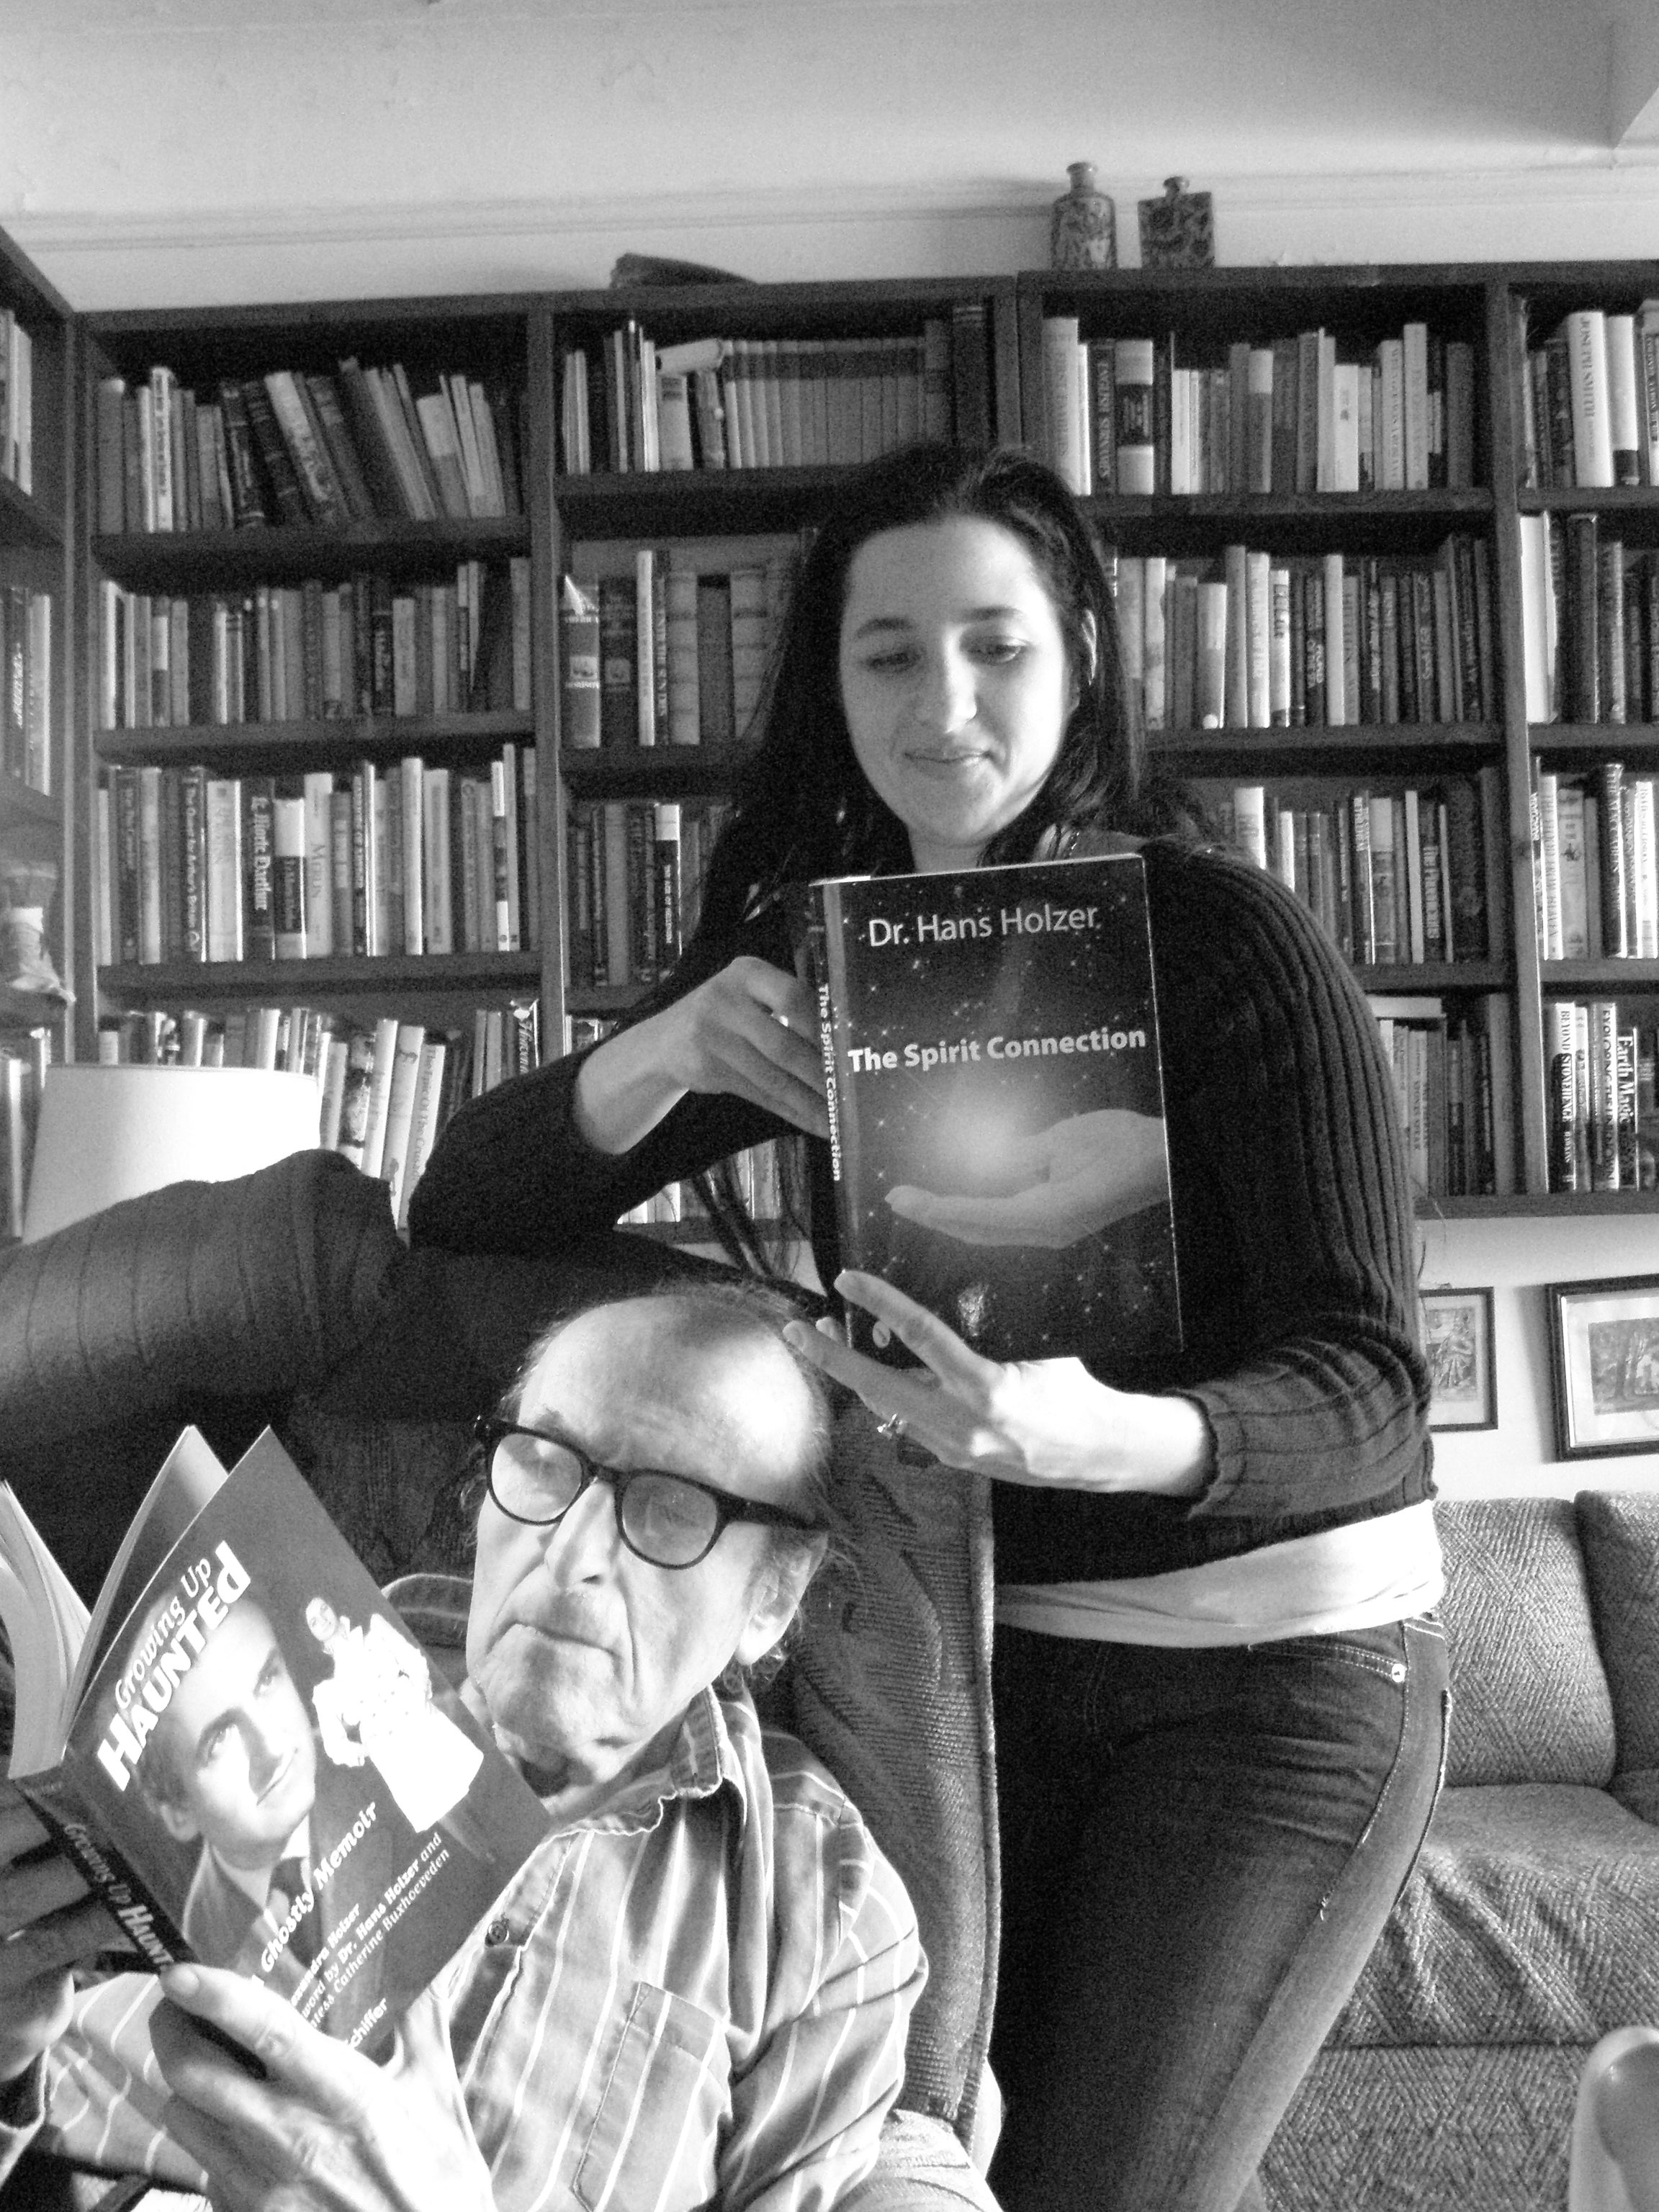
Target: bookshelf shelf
[[275, 747], [1343, 749], [694, 502], [1595, 740], [186, 981], [644, 771], [221, 559]]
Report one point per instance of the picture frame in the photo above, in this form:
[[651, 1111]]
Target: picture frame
[[1604, 1355], [1457, 1336]]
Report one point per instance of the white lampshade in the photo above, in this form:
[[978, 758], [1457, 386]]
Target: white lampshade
[[107, 1134]]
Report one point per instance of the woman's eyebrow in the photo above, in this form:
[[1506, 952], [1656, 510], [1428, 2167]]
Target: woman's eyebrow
[[874, 623]]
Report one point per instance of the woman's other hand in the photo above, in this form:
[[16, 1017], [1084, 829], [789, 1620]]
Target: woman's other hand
[[748, 1031], [1071, 1180], [1043, 1422]]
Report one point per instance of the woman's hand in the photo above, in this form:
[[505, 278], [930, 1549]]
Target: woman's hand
[[327, 2130], [1036, 1421], [748, 1031], [47, 1923], [1066, 1182]]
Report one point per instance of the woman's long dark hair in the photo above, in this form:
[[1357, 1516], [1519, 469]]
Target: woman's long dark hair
[[802, 807]]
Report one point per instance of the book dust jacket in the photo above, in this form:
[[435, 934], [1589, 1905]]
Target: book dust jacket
[[265, 1772], [996, 1104]]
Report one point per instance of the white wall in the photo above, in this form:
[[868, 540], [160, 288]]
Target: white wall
[[177, 151], [1516, 1258], [209, 151]]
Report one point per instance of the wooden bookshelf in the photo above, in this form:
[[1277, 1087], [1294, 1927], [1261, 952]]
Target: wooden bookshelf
[[1200, 314]]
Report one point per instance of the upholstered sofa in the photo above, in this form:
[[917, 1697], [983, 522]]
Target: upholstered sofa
[[1530, 1926], [287, 1297]]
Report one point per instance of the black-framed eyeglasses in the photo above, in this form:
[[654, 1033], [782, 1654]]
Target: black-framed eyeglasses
[[667, 1520]]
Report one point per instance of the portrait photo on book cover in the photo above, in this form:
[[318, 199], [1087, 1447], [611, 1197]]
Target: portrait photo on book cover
[[326, 1812]]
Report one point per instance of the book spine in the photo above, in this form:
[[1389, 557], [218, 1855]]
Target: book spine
[[109, 1875], [828, 969], [287, 875]]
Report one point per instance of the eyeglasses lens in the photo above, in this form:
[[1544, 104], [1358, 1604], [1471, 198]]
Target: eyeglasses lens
[[534, 1477], [669, 1521]]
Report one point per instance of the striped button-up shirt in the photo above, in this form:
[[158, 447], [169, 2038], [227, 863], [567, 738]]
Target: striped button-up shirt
[[695, 1993]]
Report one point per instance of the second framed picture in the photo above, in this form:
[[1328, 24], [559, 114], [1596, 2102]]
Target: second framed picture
[[1604, 1348], [1457, 1338]]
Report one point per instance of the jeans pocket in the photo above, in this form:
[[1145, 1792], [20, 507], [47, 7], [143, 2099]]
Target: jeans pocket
[[1388, 1665]]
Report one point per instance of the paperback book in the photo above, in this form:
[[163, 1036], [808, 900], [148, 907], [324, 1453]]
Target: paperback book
[[996, 1104], [246, 1755]]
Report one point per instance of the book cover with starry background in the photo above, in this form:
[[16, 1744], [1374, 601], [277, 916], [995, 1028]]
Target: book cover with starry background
[[996, 1100]]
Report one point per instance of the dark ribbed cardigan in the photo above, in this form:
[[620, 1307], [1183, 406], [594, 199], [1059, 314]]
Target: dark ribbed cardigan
[[1294, 1227]]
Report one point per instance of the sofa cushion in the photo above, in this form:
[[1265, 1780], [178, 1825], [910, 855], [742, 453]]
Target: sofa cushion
[[1619, 1530], [1533, 1917], [1530, 1701]]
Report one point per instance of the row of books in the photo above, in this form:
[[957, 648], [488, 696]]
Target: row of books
[[400, 860], [292, 447], [1590, 614], [1302, 413], [1451, 1079], [1595, 864], [386, 1088], [667, 653], [26, 685], [1243, 641], [317, 652], [1590, 402], [634, 881], [627, 403], [1603, 1127], [1396, 878], [17, 403]]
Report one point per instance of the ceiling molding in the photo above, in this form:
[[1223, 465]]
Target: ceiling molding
[[1631, 179]]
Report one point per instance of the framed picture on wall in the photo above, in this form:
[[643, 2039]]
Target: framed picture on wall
[[1604, 1351], [1457, 1337]]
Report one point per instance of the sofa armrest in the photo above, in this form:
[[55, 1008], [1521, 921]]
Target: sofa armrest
[[249, 1288]]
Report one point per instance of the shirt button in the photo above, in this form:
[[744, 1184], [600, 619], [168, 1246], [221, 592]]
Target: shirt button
[[1397, 1672], [498, 1931]]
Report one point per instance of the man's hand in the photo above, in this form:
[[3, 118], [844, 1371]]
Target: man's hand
[[327, 2130], [1074, 1178], [48, 1922]]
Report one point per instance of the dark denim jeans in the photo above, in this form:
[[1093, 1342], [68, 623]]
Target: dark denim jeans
[[1198, 1851]]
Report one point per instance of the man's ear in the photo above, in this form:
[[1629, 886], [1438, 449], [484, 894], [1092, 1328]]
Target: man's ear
[[776, 1596]]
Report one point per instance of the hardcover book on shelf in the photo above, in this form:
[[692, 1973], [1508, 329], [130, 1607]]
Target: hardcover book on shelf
[[390, 1822], [996, 1100]]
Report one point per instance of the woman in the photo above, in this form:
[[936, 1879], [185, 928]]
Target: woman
[[1219, 1717]]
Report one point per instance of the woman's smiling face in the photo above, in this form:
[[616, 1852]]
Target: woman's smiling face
[[954, 681]]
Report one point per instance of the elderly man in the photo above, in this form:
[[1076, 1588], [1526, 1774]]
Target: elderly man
[[696, 1990]]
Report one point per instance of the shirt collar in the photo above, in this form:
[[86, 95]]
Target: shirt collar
[[704, 1756]]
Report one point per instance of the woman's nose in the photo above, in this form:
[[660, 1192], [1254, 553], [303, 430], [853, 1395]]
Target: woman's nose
[[946, 699]]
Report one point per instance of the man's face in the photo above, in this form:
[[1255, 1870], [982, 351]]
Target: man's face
[[239, 1744], [585, 1654]]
